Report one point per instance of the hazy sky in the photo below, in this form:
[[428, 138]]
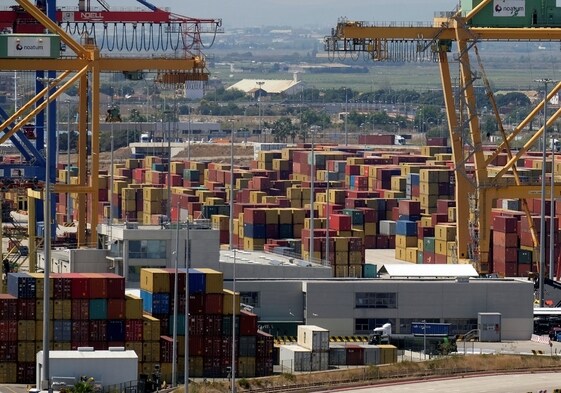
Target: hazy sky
[[240, 13]]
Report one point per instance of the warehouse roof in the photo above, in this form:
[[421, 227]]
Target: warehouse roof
[[268, 86], [401, 270]]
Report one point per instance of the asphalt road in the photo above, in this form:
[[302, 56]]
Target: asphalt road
[[511, 383]]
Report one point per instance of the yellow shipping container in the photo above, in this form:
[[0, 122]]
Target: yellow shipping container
[[298, 216], [411, 254], [60, 347], [39, 331], [403, 241], [446, 232], [214, 280], [135, 346], [355, 258], [151, 351], [341, 257], [251, 244], [285, 216], [62, 309], [272, 216], [388, 354], [400, 254], [357, 231], [297, 230], [294, 193], [296, 203], [452, 214], [196, 366], [128, 205], [39, 309], [398, 183], [246, 367], [133, 307], [370, 229], [255, 196], [26, 330], [26, 352], [154, 280], [341, 271], [229, 302], [214, 201], [8, 372], [440, 247], [153, 207], [451, 249]]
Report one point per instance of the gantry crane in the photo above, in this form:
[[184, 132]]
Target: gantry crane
[[480, 20], [81, 63]]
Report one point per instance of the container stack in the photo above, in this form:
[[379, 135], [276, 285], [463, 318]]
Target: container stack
[[86, 310], [311, 353], [211, 309]]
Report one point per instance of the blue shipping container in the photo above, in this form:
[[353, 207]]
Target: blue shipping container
[[406, 228], [62, 330], [197, 281], [21, 285], [155, 303], [98, 309], [431, 329], [255, 231], [115, 330]]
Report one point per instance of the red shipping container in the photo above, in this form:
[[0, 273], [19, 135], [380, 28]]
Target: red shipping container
[[97, 345], [97, 286], [213, 325], [440, 259], [254, 216], [505, 224], [80, 285], [197, 304], [26, 309], [212, 346], [340, 222], [437, 218], [26, 371], [8, 307], [98, 330], [505, 254], [9, 351], [134, 330], [410, 208], [166, 349], [62, 286], [370, 242], [503, 239], [80, 331], [197, 325], [196, 345], [80, 309], [213, 303], [115, 286], [248, 323], [382, 242], [391, 241], [355, 355], [8, 330], [116, 309], [429, 258]]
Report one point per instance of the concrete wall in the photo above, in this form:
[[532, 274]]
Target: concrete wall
[[106, 367], [331, 303]]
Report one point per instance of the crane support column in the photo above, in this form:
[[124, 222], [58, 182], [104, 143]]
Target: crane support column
[[463, 186]]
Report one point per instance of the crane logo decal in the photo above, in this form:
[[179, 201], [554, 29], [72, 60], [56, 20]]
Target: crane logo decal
[[512, 8]]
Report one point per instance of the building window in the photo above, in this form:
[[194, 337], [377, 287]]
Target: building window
[[376, 300], [250, 298], [147, 249], [367, 325]]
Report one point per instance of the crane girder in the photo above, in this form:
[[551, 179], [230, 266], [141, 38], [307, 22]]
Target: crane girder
[[477, 184]]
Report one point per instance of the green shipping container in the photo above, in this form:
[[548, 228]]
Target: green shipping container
[[428, 244], [370, 270], [98, 308], [524, 256]]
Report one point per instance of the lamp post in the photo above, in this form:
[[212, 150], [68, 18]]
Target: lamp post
[[346, 116], [313, 130], [189, 134], [542, 207], [260, 84], [424, 338], [45, 377], [327, 197], [187, 265]]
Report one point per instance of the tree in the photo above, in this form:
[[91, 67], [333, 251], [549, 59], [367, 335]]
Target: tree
[[282, 129]]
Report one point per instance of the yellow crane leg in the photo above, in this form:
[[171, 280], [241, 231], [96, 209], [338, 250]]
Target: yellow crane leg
[[463, 185]]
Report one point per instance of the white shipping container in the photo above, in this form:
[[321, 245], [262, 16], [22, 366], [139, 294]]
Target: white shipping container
[[371, 354], [313, 337], [387, 227], [294, 358], [320, 361]]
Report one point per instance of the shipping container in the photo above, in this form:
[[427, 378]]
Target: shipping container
[[313, 337], [430, 329]]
